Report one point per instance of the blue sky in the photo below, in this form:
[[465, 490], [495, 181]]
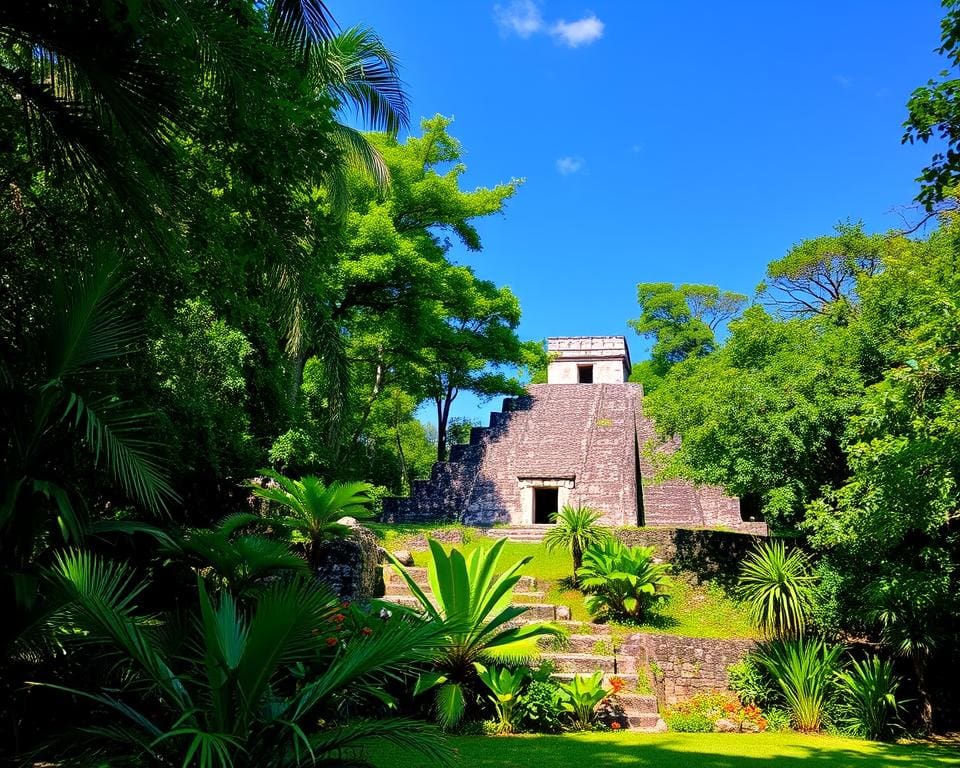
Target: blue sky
[[662, 141]]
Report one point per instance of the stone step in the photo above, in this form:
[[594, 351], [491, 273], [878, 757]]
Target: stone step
[[585, 628], [534, 612], [419, 575], [629, 678], [393, 588], [647, 722], [582, 643], [588, 663], [638, 703]]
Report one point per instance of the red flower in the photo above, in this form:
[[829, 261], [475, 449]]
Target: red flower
[[617, 684], [338, 618], [345, 604], [366, 631], [331, 641], [614, 726]]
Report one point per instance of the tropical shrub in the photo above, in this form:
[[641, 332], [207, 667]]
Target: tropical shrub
[[233, 686], [778, 720], [702, 712], [777, 587], [804, 669], [313, 508], [238, 562], [869, 705], [471, 605], [540, 707], [575, 529], [751, 682], [580, 697], [697, 714], [621, 582], [505, 685]]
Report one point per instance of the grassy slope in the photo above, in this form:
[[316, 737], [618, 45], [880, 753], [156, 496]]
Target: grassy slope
[[693, 610], [682, 750]]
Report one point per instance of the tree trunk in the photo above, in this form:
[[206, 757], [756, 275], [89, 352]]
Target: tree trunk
[[443, 416], [577, 559], [926, 702], [443, 410]]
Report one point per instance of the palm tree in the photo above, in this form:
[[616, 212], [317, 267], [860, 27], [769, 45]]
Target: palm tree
[[240, 562], [104, 87], [902, 608], [778, 588], [67, 406], [575, 529], [223, 694], [313, 508]]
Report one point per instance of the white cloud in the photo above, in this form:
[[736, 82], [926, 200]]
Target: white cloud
[[569, 165], [587, 30], [521, 18]]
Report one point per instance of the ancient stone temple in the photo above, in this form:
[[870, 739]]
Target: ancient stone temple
[[581, 438]]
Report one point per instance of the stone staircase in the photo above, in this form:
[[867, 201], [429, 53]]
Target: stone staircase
[[586, 648], [526, 533]]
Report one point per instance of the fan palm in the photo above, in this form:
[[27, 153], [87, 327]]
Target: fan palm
[[471, 603], [241, 562], [313, 508], [69, 403], [778, 588], [224, 696], [575, 529]]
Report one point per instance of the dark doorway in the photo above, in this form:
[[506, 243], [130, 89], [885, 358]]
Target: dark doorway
[[544, 504], [585, 374]]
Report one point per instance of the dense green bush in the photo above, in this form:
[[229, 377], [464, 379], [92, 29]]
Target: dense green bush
[[579, 698], [229, 684], [540, 708], [621, 582], [778, 720], [505, 686], [751, 682]]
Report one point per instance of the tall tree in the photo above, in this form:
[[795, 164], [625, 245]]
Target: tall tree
[[934, 113], [682, 320], [819, 276], [473, 336]]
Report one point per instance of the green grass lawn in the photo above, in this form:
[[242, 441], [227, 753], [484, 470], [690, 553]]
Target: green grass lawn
[[680, 750], [694, 610]]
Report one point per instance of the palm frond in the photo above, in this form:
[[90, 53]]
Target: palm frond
[[282, 631], [300, 24], [358, 153], [101, 595], [422, 739], [394, 648], [92, 326], [361, 72], [115, 432]]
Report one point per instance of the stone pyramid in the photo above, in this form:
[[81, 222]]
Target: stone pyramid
[[582, 438]]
